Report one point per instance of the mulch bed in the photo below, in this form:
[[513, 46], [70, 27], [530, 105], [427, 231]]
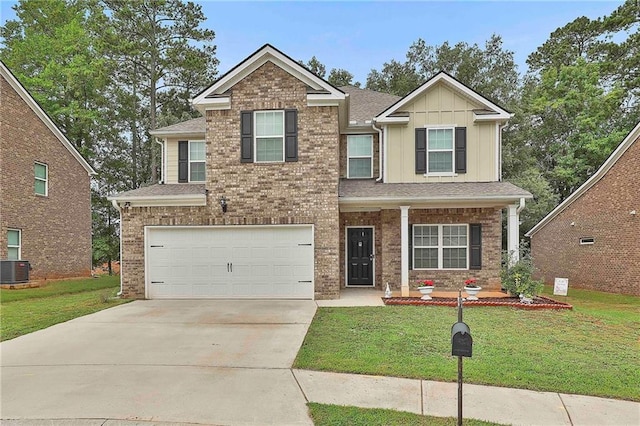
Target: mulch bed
[[539, 302]]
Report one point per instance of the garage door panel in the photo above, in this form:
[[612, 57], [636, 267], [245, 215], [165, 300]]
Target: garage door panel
[[239, 261]]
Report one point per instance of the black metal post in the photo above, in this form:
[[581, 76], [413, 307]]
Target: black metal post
[[459, 365]]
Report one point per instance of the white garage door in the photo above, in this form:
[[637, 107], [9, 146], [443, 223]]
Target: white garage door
[[229, 262]]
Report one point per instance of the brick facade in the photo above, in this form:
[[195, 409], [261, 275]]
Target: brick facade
[[56, 229], [612, 263], [301, 192], [388, 246]]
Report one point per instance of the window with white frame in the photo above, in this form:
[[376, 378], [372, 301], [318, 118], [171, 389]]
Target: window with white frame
[[14, 238], [269, 136], [196, 161], [41, 178], [440, 150], [359, 156], [440, 246]]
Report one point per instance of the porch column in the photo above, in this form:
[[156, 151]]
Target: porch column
[[404, 250], [513, 232]]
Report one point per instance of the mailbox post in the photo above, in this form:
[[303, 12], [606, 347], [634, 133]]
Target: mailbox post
[[461, 346]]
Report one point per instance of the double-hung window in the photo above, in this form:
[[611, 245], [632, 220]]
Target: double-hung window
[[269, 136], [359, 156], [41, 178], [14, 243], [196, 161], [440, 150], [440, 246]]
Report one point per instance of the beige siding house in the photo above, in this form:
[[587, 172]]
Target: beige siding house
[[289, 187]]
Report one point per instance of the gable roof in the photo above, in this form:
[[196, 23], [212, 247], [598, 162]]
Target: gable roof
[[364, 104], [216, 96], [492, 110], [43, 116], [629, 140]]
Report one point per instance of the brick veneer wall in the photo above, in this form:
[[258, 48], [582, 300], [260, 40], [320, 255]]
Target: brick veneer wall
[[488, 277], [343, 156], [56, 229], [612, 264], [302, 192]]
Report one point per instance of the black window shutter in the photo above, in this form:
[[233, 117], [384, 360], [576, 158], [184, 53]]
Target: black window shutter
[[421, 151], [475, 246], [461, 150], [291, 135], [246, 136], [410, 247], [183, 161]]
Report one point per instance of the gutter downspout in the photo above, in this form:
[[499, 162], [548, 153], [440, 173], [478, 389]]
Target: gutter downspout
[[380, 144], [117, 207], [164, 163]]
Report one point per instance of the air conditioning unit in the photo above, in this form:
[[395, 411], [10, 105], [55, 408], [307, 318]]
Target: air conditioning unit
[[14, 271]]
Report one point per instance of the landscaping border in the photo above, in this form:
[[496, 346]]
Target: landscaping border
[[539, 302]]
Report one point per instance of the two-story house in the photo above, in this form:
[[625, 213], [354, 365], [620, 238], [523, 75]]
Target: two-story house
[[45, 189], [289, 187]]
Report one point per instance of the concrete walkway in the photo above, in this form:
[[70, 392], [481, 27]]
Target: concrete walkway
[[228, 363]]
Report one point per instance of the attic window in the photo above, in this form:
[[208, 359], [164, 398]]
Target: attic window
[[587, 241]]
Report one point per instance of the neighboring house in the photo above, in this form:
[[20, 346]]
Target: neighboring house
[[45, 193], [592, 237], [289, 187]]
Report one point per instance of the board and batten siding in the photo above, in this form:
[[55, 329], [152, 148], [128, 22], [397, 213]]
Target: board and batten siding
[[438, 106], [172, 161]]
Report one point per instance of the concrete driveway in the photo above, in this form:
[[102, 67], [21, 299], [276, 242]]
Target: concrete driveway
[[212, 362]]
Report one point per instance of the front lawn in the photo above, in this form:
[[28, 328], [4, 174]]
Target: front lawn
[[27, 310], [592, 350], [337, 415]]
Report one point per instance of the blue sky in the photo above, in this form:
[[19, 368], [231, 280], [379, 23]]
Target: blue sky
[[359, 35]]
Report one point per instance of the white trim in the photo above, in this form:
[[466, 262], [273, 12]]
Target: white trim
[[268, 53], [117, 207], [513, 232], [501, 114], [255, 135], [165, 200], [45, 180], [346, 256], [385, 147], [19, 246], [35, 107], [599, 174], [216, 104], [498, 149], [189, 161], [370, 157], [440, 247]]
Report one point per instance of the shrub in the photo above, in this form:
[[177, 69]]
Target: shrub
[[517, 278]]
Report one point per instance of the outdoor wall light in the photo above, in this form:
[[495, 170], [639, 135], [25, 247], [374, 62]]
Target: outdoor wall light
[[127, 204], [573, 224], [223, 204], [632, 212]]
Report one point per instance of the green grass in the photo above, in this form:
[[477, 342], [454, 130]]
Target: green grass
[[592, 350], [27, 310], [337, 415]]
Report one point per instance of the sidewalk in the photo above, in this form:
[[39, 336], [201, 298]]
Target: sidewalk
[[490, 403]]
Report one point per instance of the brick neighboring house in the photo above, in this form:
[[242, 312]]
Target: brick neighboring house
[[45, 194], [289, 187], [592, 237]]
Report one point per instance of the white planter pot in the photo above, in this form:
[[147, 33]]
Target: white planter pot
[[472, 292], [426, 292]]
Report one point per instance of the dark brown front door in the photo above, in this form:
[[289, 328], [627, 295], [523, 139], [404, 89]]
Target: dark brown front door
[[360, 256]]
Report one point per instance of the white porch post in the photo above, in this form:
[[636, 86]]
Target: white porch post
[[513, 232], [404, 250]]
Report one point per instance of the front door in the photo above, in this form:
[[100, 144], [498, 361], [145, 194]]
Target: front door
[[360, 256]]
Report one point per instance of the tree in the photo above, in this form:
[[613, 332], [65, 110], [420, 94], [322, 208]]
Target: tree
[[315, 66], [54, 50], [163, 56], [491, 71], [341, 77]]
